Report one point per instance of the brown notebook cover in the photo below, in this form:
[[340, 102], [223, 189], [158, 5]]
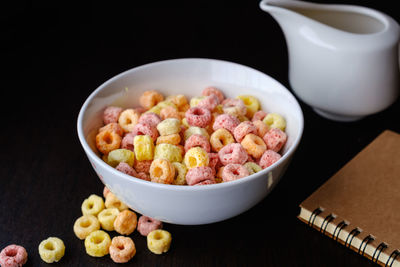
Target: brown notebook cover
[[359, 206]]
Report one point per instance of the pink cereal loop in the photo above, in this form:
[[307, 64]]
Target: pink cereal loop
[[262, 128], [111, 114], [199, 117], [147, 224], [259, 115], [145, 129], [140, 110], [213, 161], [212, 90], [206, 182], [236, 103], [268, 158], [150, 118], [127, 141], [125, 168], [143, 176], [13, 256], [197, 140], [226, 121], [243, 129], [233, 153], [210, 102], [198, 174], [142, 165], [275, 139], [233, 172]]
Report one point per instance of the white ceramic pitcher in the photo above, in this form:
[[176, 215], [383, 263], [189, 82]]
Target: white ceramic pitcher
[[343, 59]]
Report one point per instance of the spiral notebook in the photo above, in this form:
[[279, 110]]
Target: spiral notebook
[[359, 206]]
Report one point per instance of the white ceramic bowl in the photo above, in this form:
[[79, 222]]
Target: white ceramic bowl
[[190, 205]]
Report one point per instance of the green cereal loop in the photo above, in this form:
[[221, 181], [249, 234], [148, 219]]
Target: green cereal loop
[[121, 155], [180, 173], [169, 126], [196, 130], [169, 152], [252, 167]]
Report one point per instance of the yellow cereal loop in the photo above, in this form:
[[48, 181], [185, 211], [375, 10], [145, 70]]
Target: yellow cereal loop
[[196, 157], [128, 119], [185, 123], [180, 173], [178, 100], [274, 120], [159, 241], [92, 205], [252, 167], [157, 108], [84, 225], [194, 101], [196, 130], [51, 249], [169, 152], [107, 217], [252, 104], [97, 244], [113, 202], [121, 155], [173, 139], [144, 147], [169, 126], [242, 118]]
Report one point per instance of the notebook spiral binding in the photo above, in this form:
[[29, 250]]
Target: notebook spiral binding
[[353, 233]]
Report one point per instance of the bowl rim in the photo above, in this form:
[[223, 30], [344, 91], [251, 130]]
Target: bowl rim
[[92, 156]]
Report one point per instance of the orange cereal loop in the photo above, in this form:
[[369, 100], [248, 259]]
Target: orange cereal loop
[[262, 128], [173, 139], [254, 145], [113, 126], [107, 140], [184, 108], [113, 202], [181, 114], [150, 98], [126, 222], [162, 171], [169, 112], [122, 249], [128, 119], [219, 109], [178, 100], [220, 138], [105, 191]]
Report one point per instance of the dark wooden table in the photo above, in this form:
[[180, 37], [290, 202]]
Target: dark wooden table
[[56, 53]]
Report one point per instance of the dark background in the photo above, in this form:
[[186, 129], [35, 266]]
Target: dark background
[[56, 53]]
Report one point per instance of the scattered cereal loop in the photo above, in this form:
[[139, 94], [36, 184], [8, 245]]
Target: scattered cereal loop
[[97, 243], [13, 256], [51, 250], [159, 241], [122, 249]]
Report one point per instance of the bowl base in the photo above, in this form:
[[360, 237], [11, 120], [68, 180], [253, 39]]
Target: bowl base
[[337, 117]]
